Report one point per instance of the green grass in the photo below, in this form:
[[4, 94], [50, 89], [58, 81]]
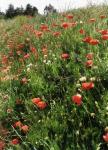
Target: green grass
[[62, 125]]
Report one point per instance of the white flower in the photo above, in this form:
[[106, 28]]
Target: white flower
[[29, 65], [28, 69], [45, 56], [44, 61], [77, 132], [82, 79], [48, 62], [81, 22], [107, 108], [92, 79]]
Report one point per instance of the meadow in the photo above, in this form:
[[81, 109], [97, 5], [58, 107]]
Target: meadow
[[54, 81]]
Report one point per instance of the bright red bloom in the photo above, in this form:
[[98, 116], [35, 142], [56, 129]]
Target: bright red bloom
[[39, 34], [65, 25], [103, 32], [39, 103], [36, 100], [81, 31], [57, 34], [89, 56], [89, 63], [65, 56], [44, 27], [42, 105], [26, 56], [33, 49], [69, 16], [77, 99], [87, 85], [15, 141], [94, 42], [25, 128], [105, 137], [18, 124], [105, 37], [87, 39]]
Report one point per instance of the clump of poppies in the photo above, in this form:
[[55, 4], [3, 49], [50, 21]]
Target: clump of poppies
[[39, 103]]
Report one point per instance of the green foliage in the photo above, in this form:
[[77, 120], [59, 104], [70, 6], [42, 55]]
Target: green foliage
[[32, 66]]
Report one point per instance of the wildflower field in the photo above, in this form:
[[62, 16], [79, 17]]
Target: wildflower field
[[54, 81]]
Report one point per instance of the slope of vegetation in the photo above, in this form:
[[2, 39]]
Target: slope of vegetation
[[54, 81]]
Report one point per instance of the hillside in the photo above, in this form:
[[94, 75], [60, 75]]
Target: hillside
[[54, 81]]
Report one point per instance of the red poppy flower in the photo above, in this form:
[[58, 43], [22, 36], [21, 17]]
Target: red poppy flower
[[94, 41], [55, 25], [10, 53], [33, 49], [87, 85], [44, 27], [42, 105], [25, 128], [105, 37], [65, 25], [24, 80], [36, 100], [77, 99], [15, 141], [81, 31], [26, 56], [89, 56], [103, 32], [87, 39], [57, 34], [89, 63], [65, 56], [102, 16], [69, 16], [18, 124], [2, 145], [105, 137], [39, 34], [72, 24], [92, 20]]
